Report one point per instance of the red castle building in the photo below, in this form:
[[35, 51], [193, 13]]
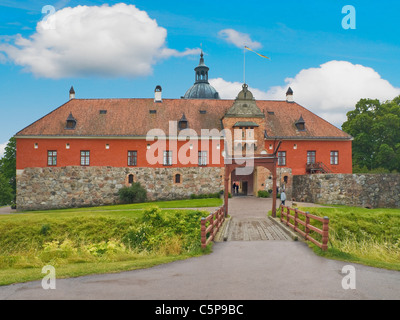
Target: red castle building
[[83, 152]]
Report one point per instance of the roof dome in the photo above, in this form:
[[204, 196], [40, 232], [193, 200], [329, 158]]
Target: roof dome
[[201, 91], [201, 88]]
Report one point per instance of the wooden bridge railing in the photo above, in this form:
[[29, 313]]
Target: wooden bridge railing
[[216, 219], [286, 217]]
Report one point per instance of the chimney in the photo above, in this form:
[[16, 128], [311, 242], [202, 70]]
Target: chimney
[[71, 93], [157, 94], [289, 95]]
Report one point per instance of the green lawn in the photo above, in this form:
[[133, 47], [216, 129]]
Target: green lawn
[[189, 203], [366, 236], [99, 240]]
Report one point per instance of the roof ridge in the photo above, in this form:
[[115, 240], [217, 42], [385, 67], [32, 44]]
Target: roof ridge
[[304, 108]]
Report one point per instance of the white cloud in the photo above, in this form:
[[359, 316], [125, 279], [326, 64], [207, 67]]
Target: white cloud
[[239, 39], [330, 91], [334, 88], [2, 148], [230, 90], [166, 52], [118, 40]]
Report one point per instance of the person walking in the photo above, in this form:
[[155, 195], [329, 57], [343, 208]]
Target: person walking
[[283, 197]]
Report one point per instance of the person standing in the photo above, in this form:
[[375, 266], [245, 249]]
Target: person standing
[[283, 197]]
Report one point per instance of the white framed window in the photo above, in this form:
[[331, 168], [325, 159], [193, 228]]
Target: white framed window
[[167, 161], [281, 158], [311, 157], [334, 157], [51, 158], [132, 158], [85, 158], [203, 161]]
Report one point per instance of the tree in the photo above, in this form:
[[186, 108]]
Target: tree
[[386, 157], [8, 168], [6, 192], [375, 127]]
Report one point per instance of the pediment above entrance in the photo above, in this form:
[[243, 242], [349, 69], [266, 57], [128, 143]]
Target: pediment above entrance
[[245, 106]]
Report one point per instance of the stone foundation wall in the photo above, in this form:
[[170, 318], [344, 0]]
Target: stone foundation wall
[[281, 173], [52, 188], [362, 190]]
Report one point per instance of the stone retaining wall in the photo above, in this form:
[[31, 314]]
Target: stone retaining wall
[[51, 188], [363, 190]]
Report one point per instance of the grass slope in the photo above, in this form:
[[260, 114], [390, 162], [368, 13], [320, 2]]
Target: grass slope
[[366, 236], [99, 240]]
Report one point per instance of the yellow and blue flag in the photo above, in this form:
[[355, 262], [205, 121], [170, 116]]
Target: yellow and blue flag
[[256, 53]]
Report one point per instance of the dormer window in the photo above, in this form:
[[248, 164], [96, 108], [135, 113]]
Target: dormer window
[[183, 123], [300, 124], [71, 122]]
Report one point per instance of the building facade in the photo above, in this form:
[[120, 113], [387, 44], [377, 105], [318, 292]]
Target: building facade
[[83, 152]]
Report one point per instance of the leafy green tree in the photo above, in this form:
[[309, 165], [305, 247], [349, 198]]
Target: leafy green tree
[[375, 127], [8, 166], [6, 192], [386, 157]]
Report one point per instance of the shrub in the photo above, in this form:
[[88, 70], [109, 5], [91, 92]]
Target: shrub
[[44, 230], [57, 250], [133, 194], [263, 194], [157, 229], [205, 196], [109, 247]]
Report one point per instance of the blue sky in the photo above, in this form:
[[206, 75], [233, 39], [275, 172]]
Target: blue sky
[[157, 43]]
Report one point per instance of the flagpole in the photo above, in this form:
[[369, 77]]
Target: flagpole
[[244, 65]]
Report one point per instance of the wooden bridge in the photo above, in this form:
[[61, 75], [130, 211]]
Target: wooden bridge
[[254, 230], [248, 221]]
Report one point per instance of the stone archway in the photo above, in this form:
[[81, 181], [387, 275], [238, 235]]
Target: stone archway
[[268, 161], [245, 182]]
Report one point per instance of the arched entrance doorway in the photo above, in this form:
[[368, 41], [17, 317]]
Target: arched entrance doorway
[[268, 161], [249, 185], [244, 184]]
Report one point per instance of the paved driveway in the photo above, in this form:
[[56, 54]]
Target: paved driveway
[[6, 210], [236, 270]]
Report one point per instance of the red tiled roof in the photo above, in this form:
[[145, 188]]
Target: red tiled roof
[[285, 114], [132, 117]]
